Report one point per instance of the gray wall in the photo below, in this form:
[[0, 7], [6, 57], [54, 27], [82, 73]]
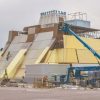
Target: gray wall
[[40, 70]]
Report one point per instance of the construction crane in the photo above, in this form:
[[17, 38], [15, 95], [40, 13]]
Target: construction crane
[[64, 27]]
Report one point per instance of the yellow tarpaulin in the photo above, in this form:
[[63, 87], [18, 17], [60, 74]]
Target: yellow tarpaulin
[[72, 42], [86, 57], [81, 56], [14, 65], [42, 55], [20, 73], [61, 56]]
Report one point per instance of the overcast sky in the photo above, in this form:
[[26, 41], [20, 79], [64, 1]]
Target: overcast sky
[[16, 14]]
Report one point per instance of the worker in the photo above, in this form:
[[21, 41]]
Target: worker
[[8, 55], [45, 81], [22, 80]]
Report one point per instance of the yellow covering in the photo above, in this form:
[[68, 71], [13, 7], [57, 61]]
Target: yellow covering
[[72, 42], [61, 56], [42, 55], [70, 56], [81, 56], [14, 65], [20, 73], [85, 56]]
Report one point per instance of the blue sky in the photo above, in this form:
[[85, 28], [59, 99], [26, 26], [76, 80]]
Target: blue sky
[[16, 14]]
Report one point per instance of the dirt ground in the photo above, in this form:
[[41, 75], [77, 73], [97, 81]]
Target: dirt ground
[[47, 94]]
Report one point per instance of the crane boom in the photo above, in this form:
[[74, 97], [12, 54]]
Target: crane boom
[[65, 28]]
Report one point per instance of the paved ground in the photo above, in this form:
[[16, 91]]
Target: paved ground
[[48, 94]]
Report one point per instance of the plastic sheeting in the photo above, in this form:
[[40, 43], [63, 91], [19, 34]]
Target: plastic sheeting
[[81, 56], [37, 50], [85, 56], [61, 56], [13, 49], [72, 42], [14, 65], [42, 41], [20, 73]]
